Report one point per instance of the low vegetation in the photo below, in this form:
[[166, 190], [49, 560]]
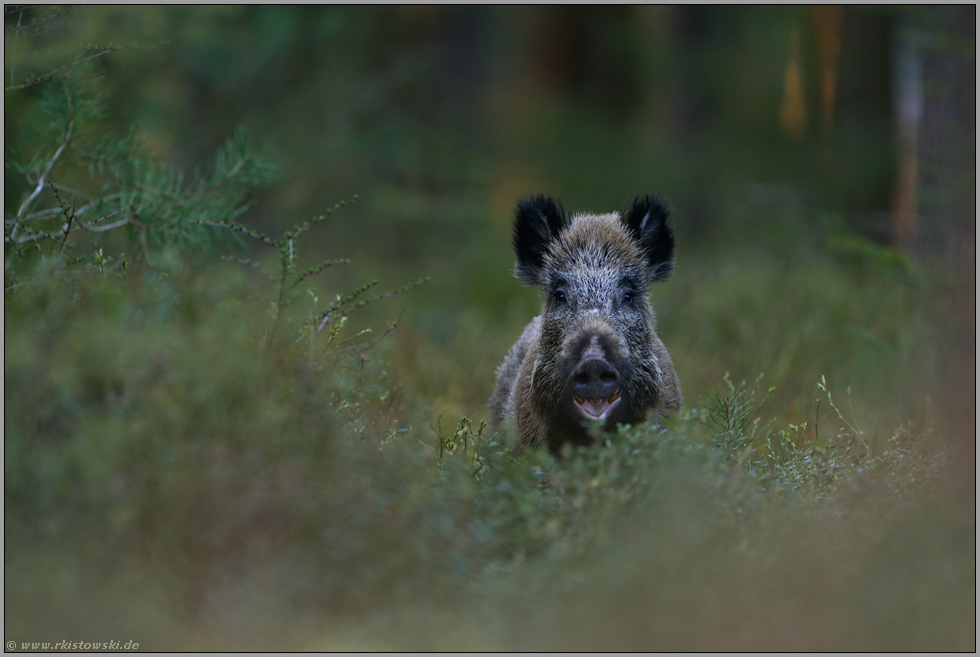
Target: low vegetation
[[240, 492], [205, 455]]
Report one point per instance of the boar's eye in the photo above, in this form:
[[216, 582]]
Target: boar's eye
[[560, 297], [627, 297]]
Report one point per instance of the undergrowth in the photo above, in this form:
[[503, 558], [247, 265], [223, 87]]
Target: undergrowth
[[201, 459], [151, 423]]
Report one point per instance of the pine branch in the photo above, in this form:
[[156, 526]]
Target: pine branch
[[32, 236], [335, 312], [60, 72], [41, 214], [353, 350], [339, 302], [207, 189], [92, 228], [386, 295], [69, 216], [47, 170], [313, 271], [299, 230], [35, 22], [238, 228]]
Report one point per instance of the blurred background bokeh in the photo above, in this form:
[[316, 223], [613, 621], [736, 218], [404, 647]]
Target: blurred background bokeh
[[820, 162], [774, 131]]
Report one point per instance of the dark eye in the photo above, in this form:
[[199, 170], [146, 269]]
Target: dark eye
[[560, 297], [627, 297]]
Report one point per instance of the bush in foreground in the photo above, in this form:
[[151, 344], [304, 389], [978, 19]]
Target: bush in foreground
[[235, 492]]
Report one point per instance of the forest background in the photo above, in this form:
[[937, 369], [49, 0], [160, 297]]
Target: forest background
[[222, 487]]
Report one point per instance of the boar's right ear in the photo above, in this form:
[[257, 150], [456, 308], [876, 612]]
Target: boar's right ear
[[537, 222]]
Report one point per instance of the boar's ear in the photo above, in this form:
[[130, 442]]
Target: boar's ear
[[537, 222], [646, 220]]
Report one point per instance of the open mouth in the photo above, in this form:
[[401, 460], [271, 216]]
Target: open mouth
[[596, 409]]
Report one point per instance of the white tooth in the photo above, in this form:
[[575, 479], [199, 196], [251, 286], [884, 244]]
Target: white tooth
[[593, 407]]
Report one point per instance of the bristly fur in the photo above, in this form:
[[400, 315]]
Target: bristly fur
[[593, 354], [537, 221], [647, 221]]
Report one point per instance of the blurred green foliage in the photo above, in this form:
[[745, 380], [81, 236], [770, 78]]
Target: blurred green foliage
[[198, 457], [146, 427]]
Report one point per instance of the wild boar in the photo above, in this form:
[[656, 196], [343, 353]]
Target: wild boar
[[592, 355]]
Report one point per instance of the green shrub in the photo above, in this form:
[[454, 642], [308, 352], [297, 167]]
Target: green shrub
[[197, 457], [150, 426]]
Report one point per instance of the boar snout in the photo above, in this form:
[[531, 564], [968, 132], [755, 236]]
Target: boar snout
[[594, 379], [595, 385]]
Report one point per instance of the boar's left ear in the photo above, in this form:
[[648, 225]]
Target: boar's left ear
[[646, 220], [537, 222]]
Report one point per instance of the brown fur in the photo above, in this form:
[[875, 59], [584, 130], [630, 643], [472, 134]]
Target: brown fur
[[596, 332]]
